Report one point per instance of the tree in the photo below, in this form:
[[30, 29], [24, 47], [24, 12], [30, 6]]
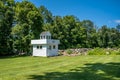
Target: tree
[[22, 21], [118, 27], [6, 23], [29, 24], [114, 38], [90, 32], [46, 14]]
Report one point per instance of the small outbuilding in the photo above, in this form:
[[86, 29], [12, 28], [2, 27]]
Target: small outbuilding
[[45, 46]]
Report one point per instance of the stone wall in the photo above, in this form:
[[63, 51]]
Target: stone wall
[[75, 52], [84, 51]]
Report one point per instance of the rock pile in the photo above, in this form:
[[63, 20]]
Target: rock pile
[[75, 52]]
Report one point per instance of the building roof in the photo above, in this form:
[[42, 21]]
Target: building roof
[[45, 41], [45, 33]]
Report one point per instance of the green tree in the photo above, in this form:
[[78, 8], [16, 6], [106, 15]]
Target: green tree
[[114, 38], [46, 14], [29, 24], [90, 32], [118, 27], [6, 23]]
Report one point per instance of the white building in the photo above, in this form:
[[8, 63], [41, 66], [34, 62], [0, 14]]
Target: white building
[[45, 46]]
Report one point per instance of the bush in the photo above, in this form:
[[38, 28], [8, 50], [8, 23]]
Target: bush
[[115, 52], [102, 51], [68, 51], [97, 51], [60, 53]]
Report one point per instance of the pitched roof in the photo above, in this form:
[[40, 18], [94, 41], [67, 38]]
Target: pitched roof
[[45, 33]]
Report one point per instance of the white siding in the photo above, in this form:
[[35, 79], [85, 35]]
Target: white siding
[[52, 52], [45, 43], [42, 41], [39, 52]]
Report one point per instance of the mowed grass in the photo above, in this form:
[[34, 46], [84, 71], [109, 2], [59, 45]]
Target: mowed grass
[[60, 68]]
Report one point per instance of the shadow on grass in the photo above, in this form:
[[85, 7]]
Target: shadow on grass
[[13, 56], [95, 71]]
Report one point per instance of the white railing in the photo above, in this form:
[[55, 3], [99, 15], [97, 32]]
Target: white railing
[[45, 41]]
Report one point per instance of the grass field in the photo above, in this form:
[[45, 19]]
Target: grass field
[[60, 68]]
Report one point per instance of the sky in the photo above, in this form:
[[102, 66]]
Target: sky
[[101, 12]]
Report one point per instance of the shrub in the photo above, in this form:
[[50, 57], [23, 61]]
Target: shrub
[[102, 51], [60, 53], [68, 51], [115, 52], [97, 51]]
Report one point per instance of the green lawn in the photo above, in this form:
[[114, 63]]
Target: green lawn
[[60, 68]]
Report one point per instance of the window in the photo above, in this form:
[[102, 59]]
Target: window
[[53, 46], [47, 37], [50, 47], [41, 37], [44, 37], [37, 47], [40, 47]]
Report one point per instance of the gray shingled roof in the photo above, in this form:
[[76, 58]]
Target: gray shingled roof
[[45, 33]]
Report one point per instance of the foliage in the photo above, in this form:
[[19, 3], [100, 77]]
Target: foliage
[[22, 21], [69, 51], [29, 25], [104, 51], [60, 68], [97, 51], [6, 20], [115, 52]]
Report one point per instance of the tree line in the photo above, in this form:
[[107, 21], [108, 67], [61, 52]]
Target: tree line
[[20, 22]]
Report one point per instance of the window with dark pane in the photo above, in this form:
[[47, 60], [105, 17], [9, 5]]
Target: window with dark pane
[[40, 47], [50, 47], [37, 47], [53, 46]]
